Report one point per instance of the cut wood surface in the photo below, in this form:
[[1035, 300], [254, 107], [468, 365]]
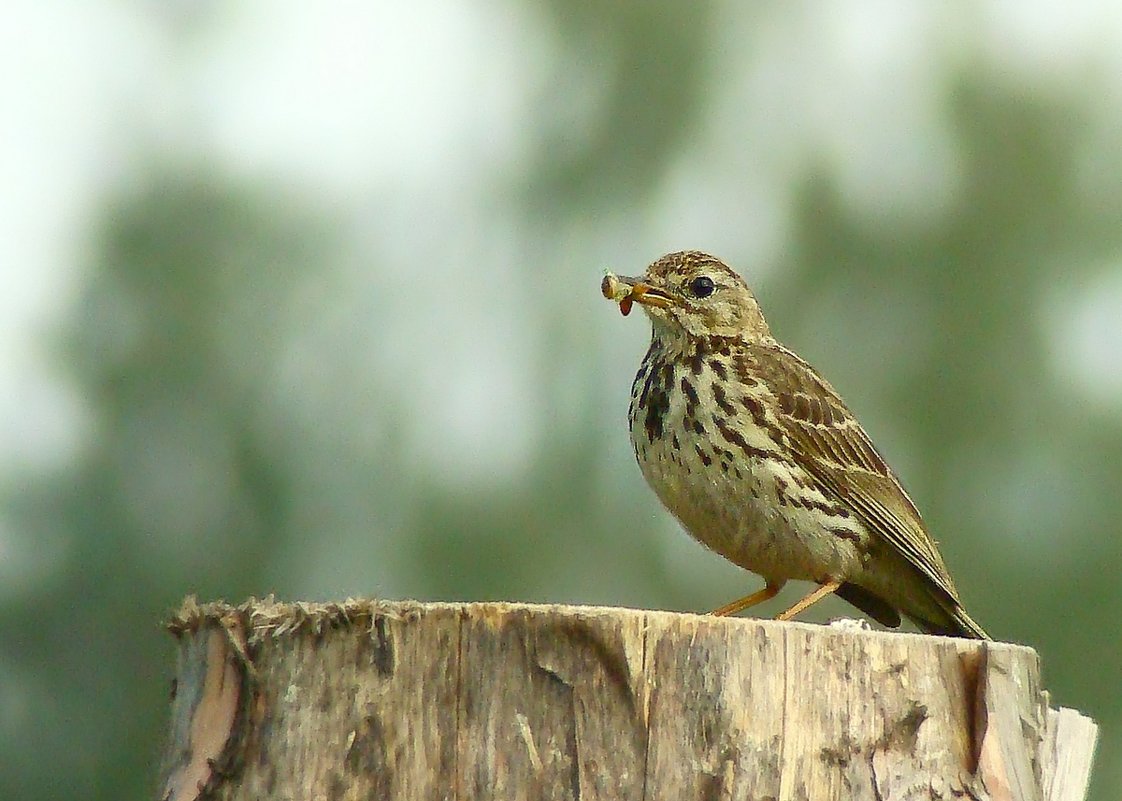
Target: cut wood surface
[[412, 701]]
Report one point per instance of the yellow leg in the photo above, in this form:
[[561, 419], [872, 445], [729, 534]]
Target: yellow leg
[[819, 593], [767, 593]]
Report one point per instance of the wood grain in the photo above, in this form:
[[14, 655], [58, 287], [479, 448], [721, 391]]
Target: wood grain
[[403, 700]]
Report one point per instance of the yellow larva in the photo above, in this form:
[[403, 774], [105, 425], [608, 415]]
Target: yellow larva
[[614, 289]]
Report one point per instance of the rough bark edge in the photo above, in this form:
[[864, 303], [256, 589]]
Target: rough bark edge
[[211, 706]]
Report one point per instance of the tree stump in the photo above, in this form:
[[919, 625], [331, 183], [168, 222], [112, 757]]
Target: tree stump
[[412, 701]]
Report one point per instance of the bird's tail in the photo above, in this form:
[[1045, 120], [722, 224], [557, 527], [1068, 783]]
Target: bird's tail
[[967, 625], [957, 624]]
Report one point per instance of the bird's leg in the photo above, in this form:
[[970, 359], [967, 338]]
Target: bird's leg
[[769, 591], [820, 592]]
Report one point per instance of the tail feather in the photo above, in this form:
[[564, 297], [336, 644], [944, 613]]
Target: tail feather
[[954, 622], [959, 624]]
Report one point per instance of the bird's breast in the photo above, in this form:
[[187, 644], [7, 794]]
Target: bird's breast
[[705, 444]]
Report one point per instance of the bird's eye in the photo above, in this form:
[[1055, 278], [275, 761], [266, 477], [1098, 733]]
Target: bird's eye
[[702, 286]]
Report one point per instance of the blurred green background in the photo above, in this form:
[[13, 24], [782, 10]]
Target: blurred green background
[[303, 299]]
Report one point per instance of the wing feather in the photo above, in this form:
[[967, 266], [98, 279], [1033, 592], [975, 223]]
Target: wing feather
[[838, 454]]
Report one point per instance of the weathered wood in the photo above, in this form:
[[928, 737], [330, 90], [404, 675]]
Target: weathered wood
[[1066, 754], [402, 700]]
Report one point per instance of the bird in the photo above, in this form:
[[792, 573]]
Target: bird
[[760, 459]]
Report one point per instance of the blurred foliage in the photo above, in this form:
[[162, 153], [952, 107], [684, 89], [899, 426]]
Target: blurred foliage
[[649, 86], [215, 467]]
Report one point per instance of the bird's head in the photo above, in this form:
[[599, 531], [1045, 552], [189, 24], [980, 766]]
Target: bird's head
[[691, 295]]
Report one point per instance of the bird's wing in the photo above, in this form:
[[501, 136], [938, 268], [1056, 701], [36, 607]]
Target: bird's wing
[[829, 442]]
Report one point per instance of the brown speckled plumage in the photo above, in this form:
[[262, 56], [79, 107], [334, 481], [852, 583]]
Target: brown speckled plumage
[[761, 460]]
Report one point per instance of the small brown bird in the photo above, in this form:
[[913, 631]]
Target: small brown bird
[[760, 460]]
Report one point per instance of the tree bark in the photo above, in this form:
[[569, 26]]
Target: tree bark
[[411, 701]]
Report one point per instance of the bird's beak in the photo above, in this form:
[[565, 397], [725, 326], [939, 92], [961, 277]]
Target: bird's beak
[[625, 290]]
